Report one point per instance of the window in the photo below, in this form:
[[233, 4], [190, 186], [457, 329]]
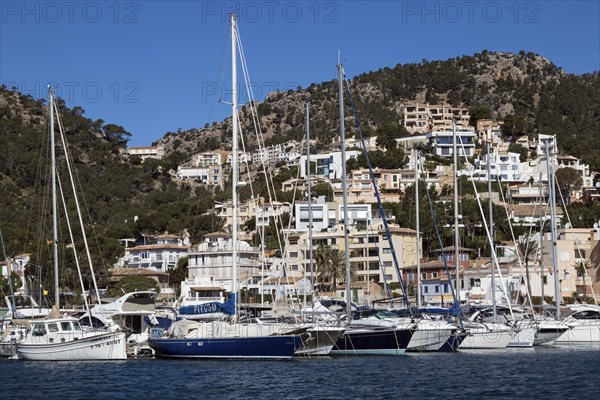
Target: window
[[426, 289], [293, 254], [53, 327], [437, 289], [387, 250], [39, 329], [65, 326]]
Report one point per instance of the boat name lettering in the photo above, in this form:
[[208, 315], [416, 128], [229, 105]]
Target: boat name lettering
[[109, 343]]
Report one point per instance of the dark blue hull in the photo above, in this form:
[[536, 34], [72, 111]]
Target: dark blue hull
[[257, 347], [370, 342], [453, 342]]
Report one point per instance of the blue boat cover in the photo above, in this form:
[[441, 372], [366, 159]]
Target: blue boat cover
[[210, 308]]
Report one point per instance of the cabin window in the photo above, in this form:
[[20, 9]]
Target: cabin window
[[53, 327], [39, 329], [76, 326], [65, 326]]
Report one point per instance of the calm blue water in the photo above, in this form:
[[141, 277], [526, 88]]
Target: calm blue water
[[545, 373]]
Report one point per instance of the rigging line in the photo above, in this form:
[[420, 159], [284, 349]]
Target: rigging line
[[62, 195], [220, 71], [9, 275], [487, 230], [385, 282], [71, 164], [455, 309], [573, 233], [512, 233], [76, 198], [380, 204], [258, 130]]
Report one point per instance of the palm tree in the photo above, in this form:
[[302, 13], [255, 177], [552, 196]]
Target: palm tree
[[528, 250], [330, 265], [582, 266]]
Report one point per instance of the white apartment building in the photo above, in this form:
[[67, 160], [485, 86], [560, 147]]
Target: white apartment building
[[207, 159], [161, 255], [211, 260], [327, 164], [212, 175], [503, 165], [442, 142], [323, 215]]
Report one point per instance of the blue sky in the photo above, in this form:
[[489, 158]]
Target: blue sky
[[156, 66]]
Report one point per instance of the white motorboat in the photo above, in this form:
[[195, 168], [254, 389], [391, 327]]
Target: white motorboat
[[62, 339], [584, 326]]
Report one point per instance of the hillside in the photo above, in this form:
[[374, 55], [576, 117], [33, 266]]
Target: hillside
[[127, 198], [526, 84]]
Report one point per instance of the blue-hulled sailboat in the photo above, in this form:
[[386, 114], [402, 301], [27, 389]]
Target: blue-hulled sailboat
[[226, 339]]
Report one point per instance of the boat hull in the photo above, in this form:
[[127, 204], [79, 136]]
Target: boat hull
[[549, 334], [430, 336], [525, 337], [372, 342], [106, 346], [581, 335], [268, 347], [487, 336], [8, 349], [318, 341]]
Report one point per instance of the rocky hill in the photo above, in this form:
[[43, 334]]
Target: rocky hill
[[552, 101]]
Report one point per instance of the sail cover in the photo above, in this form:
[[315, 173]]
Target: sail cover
[[211, 308]]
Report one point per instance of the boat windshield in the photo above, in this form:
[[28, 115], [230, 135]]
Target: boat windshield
[[385, 314], [39, 329], [65, 326]]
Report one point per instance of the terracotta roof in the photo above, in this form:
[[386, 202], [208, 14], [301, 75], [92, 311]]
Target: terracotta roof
[[137, 271], [218, 234]]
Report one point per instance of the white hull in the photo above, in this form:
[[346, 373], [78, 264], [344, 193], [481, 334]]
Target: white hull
[[105, 346], [430, 336], [581, 335], [487, 336], [525, 337]]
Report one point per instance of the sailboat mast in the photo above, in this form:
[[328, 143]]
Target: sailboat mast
[[345, 191], [456, 227], [552, 199], [541, 239], [54, 200], [310, 214], [234, 156], [417, 223], [491, 214]]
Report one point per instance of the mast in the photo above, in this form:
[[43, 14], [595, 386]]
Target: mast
[[344, 189], [310, 214], [234, 157], [417, 165], [552, 199], [491, 214], [456, 227], [54, 200], [541, 240]]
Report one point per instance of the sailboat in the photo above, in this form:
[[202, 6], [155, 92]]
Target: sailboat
[[61, 338], [226, 339], [363, 337], [492, 335]]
